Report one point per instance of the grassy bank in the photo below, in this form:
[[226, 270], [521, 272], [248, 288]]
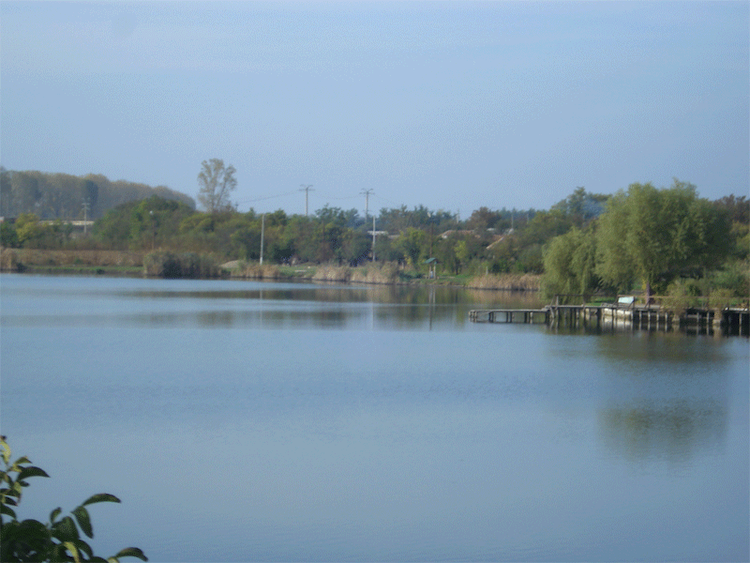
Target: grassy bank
[[71, 261]]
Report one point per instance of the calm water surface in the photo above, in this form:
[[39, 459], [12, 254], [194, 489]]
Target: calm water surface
[[244, 421]]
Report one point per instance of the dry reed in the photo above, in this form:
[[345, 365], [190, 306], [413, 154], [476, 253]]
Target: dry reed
[[512, 282], [253, 270]]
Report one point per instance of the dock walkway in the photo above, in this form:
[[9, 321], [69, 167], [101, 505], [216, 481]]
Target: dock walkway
[[617, 315]]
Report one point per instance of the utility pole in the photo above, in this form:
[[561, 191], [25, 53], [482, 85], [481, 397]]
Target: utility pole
[[262, 233], [431, 235], [306, 189], [367, 201], [85, 214], [373, 238]]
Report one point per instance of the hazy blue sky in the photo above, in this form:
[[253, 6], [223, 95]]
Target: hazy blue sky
[[452, 105]]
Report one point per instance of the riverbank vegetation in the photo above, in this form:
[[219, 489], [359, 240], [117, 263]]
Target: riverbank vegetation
[[663, 241]]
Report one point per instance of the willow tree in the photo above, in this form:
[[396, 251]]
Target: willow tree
[[654, 235], [570, 264], [215, 183]]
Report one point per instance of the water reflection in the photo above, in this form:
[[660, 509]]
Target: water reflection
[[674, 430], [390, 294], [222, 304]]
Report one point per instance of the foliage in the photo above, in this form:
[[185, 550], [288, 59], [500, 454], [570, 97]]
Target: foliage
[[59, 539], [29, 232], [8, 235], [582, 207], [63, 196], [654, 235], [733, 277], [399, 219], [646, 236], [216, 182], [141, 224], [570, 264], [411, 244], [167, 264]]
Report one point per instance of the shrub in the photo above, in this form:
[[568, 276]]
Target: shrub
[[734, 277], [166, 264]]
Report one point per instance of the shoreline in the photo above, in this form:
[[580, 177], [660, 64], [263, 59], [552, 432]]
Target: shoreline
[[131, 264]]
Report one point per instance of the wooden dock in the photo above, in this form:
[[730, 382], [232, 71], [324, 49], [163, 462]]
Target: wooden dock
[[615, 316], [509, 315]]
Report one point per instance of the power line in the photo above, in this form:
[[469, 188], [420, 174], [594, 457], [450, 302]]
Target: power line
[[265, 197]]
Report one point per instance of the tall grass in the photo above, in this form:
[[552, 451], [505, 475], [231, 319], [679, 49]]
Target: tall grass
[[512, 282], [380, 274], [254, 271], [333, 274], [372, 273]]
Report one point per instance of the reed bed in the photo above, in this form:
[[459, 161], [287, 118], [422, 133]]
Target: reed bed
[[166, 264], [379, 274], [371, 274], [511, 282], [253, 270], [333, 274]]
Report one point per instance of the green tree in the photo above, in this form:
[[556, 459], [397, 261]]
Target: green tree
[[59, 539], [654, 235], [8, 235], [215, 184], [6, 193], [28, 228], [570, 264], [411, 244]]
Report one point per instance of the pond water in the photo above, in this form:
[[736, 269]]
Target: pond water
[[243, 421]]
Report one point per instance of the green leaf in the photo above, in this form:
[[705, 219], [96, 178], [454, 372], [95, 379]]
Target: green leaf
[[65, 530], [84, 520], [100, 497], [84, 548], [6, 451], [33, 530], [19, 463], [73, 551], [31, 471], [4, 509], [132, 552], [54, 514]]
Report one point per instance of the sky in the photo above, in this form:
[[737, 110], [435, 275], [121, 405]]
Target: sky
[[450, 105]]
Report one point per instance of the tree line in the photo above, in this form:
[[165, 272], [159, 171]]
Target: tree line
[[67, 197], [639, 238], [663, 241]]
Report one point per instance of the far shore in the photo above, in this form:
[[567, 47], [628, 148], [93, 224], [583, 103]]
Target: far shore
[[131, 263]]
